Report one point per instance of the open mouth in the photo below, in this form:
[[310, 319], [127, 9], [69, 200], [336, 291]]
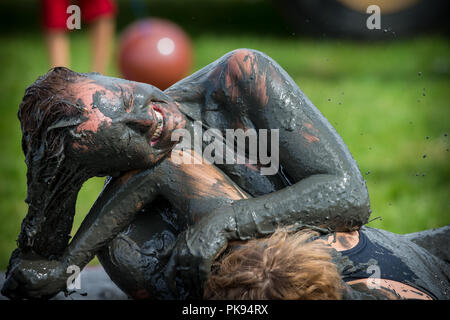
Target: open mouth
[[159, 127]]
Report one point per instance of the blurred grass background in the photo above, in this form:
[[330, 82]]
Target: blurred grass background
[[388, 100]]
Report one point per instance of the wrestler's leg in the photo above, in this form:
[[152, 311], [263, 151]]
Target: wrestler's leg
[[247, 89], [434, 240], [257, 91]]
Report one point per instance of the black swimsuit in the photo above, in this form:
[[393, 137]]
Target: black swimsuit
[[385, 255], [373, 260]]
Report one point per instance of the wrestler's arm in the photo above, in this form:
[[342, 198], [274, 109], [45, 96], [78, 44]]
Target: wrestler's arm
[[115, 208], [120, 200], [192, 190]]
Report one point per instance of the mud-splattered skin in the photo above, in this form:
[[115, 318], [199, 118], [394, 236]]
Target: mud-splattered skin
[[319, 184], [119, 122]]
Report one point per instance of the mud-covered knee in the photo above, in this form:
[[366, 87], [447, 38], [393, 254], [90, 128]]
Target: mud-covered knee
[[241, 63]]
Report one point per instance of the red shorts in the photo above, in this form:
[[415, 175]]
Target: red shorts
[[55, 11]]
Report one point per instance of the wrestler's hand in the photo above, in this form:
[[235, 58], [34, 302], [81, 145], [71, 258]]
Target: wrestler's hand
[[35, 279], [191, 258]]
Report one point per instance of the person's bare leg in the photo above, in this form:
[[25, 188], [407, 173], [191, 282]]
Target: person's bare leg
[[58, 48], [102, 32]]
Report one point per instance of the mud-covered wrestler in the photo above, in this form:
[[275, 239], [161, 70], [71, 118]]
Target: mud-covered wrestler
[[364, 264], [76, 126]]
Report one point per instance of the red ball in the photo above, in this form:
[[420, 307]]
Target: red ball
[[154, 51]]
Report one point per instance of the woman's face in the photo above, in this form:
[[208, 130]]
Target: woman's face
[[125, 125]]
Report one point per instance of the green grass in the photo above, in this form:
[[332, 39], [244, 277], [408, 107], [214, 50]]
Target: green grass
[[371, 93]]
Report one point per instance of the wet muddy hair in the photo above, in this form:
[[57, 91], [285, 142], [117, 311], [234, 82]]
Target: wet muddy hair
[[281, 267], [46, 112]]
